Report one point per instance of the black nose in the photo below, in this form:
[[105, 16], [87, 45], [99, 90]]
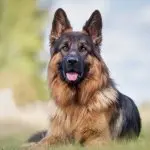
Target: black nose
[[72, 60]]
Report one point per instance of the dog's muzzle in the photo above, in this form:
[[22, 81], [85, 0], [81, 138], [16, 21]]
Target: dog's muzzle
[[72, 69]]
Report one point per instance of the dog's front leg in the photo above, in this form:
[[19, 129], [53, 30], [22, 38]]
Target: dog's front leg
[[90, 137], [46, 142], [98, 140], [53, 140], [55, 136]]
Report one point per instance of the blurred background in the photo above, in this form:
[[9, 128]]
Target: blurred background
[[24, 54]]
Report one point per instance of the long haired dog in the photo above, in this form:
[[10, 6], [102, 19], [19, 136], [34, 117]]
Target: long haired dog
[[90, 110]]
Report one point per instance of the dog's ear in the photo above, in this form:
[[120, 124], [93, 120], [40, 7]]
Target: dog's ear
[[93, 27], [60, 25]]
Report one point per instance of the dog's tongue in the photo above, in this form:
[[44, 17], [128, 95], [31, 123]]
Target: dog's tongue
[[72, 76]]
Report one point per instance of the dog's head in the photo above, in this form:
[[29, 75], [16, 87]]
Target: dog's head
[[74, 48]]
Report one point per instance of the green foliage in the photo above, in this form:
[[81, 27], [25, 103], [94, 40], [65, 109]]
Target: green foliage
[[21, 41]]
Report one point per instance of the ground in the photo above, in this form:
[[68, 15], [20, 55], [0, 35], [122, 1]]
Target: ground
[[13, 135]]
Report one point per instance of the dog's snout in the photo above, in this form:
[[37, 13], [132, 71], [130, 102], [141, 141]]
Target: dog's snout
[[72, 60]]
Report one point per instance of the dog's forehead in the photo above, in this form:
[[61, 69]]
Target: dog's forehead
[[75, 36]]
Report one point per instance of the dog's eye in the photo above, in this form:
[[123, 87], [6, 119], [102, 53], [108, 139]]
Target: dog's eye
[[82, 49], [65, 48]]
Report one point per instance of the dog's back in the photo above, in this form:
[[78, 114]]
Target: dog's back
[[125, 122]]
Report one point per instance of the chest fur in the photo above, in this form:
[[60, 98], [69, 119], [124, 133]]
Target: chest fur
[[77, 121]]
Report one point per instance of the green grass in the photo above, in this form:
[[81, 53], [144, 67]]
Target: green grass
[[12, 142], [15, 139], [13, 135]]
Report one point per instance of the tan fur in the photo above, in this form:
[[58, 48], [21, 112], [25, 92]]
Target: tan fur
[[82, 114], [86, 112]]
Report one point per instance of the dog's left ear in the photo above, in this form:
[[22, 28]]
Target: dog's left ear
[[93, 27]]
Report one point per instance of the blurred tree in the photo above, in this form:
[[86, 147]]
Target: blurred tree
[[21, 41]]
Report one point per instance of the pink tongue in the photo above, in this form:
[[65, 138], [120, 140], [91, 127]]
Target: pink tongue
[[72, 76]]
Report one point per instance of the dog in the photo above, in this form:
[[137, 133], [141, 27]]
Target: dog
[[89, 108]]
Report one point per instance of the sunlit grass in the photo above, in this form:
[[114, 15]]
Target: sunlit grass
[[14, 134], [15, 140]]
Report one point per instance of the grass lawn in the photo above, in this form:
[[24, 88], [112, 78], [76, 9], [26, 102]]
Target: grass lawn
[[12, 136]]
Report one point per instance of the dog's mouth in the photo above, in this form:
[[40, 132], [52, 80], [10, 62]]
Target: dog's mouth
[[72, 76]]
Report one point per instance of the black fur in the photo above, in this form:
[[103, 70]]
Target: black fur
[[128, 116], [37, 136], [131, 125]]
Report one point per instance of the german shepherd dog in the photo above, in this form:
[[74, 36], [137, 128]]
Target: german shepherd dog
[[90, 109]]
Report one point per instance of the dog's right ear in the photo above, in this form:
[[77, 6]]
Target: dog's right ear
[[60, 25]]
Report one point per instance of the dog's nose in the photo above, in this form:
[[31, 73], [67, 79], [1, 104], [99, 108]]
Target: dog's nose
[[72, 60]]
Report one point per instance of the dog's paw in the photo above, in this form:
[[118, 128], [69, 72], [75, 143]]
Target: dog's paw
[[29, 146], [34, 146]]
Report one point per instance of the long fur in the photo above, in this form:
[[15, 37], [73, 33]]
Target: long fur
[[84, 112], [94, 112]]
